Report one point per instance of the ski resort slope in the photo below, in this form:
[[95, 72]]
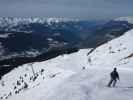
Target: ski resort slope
[[83, 75], [92, 85]]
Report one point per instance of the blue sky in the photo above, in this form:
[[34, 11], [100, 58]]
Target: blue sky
[[82, 9]]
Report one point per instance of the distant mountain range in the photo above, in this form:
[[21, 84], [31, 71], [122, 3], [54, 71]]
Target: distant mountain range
[[108, 31], [31, 37], [34, 36]]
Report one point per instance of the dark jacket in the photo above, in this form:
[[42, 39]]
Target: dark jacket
[[114, 75]]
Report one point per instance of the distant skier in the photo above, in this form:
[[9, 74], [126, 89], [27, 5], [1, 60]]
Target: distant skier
[[114, 75]]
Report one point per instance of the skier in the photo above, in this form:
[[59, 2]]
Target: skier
[[114, 77]]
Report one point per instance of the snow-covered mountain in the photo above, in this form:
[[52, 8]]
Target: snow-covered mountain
[[128, 19], [79, 76], [114, 53], [11, 22], [50, 73]]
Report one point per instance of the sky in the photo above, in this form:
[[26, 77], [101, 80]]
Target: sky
[[80, 9]]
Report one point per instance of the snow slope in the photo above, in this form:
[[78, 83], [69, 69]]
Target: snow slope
[[49, 74], [115, 52], [78, 76], [91, 85]]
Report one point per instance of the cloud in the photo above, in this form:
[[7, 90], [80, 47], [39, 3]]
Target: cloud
[[69, 2], [84, 9]]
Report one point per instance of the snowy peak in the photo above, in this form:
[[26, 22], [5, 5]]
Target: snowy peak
[[18, 23], [17, 20], [127, 19]]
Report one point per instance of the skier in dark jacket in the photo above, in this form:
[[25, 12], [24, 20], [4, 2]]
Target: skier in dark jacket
[[114, 77]]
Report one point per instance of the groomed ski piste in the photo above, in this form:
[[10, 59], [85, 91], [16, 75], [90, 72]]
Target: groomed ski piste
[[83, 75]]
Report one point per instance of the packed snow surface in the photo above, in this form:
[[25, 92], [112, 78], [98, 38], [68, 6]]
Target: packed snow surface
[[83, 75]]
